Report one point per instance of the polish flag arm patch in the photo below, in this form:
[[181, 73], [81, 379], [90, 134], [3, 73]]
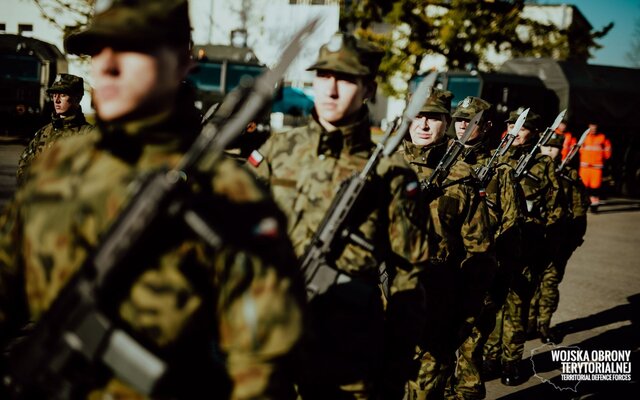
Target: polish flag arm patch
[[255, 158]]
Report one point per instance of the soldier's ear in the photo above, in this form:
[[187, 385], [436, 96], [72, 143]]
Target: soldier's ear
[[370, 87]]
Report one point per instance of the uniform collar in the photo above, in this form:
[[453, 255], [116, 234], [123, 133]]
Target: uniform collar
[[350, 138], [425, 155], [76, 119], [165, 132]]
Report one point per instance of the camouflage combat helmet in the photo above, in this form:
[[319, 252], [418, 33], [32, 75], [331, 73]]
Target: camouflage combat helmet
[[555, 141], [469, 107], [532, 122], [133, 23], [439, 101], [68, 84], [350, 55]]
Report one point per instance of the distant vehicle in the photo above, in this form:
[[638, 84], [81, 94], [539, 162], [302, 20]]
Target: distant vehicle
[[293, 101], [590, 93], [28, 67], [219, 70]]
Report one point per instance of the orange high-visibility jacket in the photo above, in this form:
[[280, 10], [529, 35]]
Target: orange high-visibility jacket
[[595, 151], [568, 143]]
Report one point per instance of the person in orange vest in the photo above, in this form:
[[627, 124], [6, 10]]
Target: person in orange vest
[[593, 153], [569, 140]]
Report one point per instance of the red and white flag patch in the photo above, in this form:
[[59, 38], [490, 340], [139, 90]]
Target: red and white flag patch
[[255, 158], [411, 189]]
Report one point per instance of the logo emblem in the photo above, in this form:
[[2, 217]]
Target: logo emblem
[[58, 78], [102, 6], [335, 43], [466, 102]]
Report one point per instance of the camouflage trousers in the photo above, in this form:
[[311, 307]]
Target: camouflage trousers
[[547, 296], [466, 381], [506, 341], [432, 377]]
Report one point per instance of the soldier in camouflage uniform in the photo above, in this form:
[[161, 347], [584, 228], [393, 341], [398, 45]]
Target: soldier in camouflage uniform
[[543, 225], [503, 197], [577, 204], [304, 168], [224, 318], [461, 262], [66, 120]]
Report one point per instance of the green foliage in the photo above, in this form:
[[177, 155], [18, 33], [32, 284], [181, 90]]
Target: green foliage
[[465, 32], [79, 12]]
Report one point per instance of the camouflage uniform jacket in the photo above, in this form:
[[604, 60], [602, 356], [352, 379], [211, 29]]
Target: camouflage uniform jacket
[[502, 194], [45, 137], [462, 241], [575, 192], [460, 217], [544, 199], [240, 296], [304, 169]]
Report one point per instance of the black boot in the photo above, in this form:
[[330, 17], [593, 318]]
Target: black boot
[[510, 374], [490, 369], [546, 335]]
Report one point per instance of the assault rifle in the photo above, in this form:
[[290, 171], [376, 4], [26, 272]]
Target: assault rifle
[[319, 276], [524, 163], [429, 185], [572, 153], [79, 341], [485, 173]]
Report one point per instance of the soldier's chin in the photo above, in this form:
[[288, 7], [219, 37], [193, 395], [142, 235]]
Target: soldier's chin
[[113, 111]]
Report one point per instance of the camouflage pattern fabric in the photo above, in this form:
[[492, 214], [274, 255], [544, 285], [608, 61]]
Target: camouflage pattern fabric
[[47, 135], [461, 265], [506, 341], [547, 297], [432, 376], [505, 204], [241, 298], [544, 199], [544, 224], [304, 168]]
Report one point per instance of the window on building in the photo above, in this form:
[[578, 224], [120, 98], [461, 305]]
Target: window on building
[[3, 28], [24, 28]]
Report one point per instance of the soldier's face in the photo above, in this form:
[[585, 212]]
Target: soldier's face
[[337, 96], [461, 127], [523, 137], [427, 129], [61, 103], [552, 152], [130, 84]]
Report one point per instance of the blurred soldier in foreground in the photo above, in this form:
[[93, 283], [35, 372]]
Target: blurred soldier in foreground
[[541, 232], [304, 168], [547, 296], [461, 261], [224, 319], [505, 204], [66, 120]]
